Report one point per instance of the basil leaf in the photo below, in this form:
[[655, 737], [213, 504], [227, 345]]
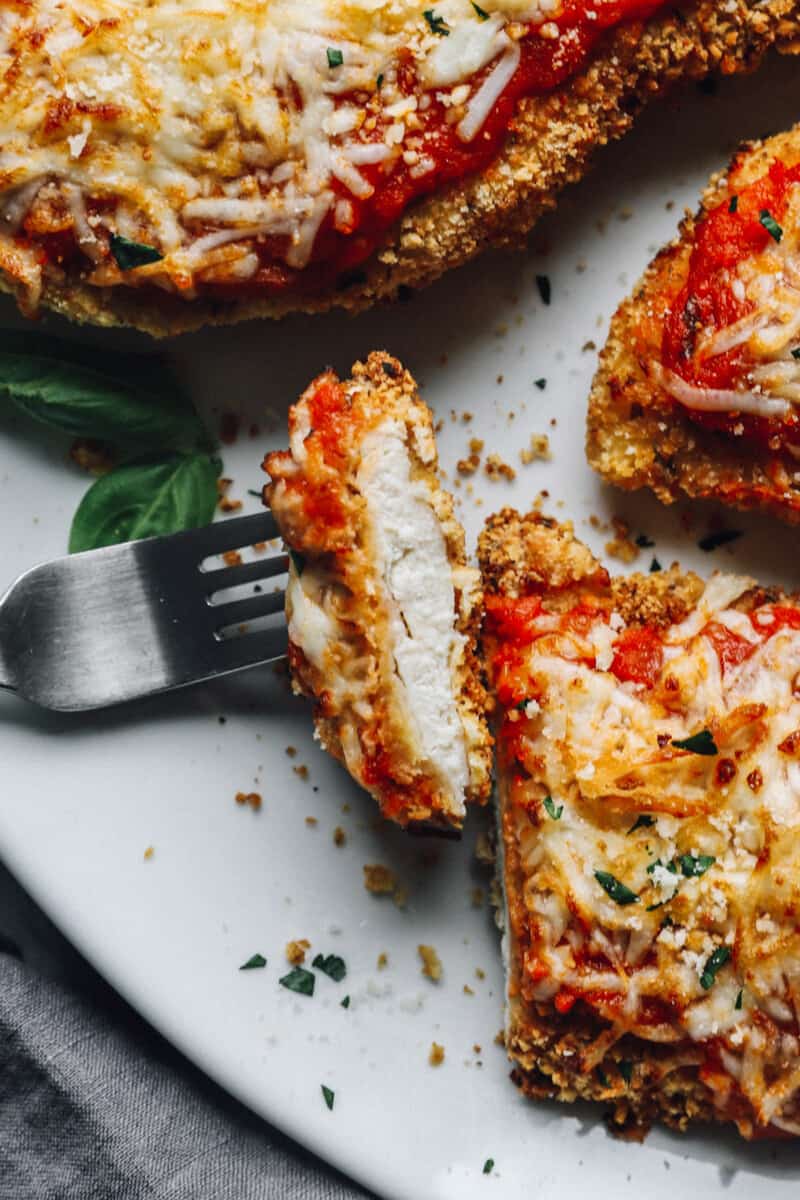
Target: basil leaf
[[552, 811], [335, 58], [85, 401], [129, 255], [693, 866], [480, 13], [145, 497], [257, 960], [618, 892], [436, 24], [642, 822], [699, 743], [715, 961], [329, 1096], [299, 980], [488, 1166], [333, 966], [770, 224]]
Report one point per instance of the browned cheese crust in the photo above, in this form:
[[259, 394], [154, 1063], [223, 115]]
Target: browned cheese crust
[[551, 144], [636, 435]]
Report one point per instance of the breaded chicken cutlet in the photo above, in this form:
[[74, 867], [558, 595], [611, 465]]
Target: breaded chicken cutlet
[[169, 165], [382, 607], [648, 738], [698, 390]]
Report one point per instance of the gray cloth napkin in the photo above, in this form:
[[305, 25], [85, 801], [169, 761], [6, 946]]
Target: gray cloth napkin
[[94, 1105]]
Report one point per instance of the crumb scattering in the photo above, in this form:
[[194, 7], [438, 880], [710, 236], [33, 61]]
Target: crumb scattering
[[622, 546], [383, 960], [291, 751], [379, 880], [301, 772], [250, 799], [431, 963], [436, 1055], [476, 897], [296, 951], [232, 558], [538, 450], [149, 852], [311, 821], [339, 836], [495, 468]]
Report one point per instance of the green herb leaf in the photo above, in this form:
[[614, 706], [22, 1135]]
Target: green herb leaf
[[693, 866], [602, 1077], [712, 541], [488, 1166], [658, 863], [257, 960], [545, 288], [699, 743], [145, 497], [436, 24], [332, 965], [618, 892], [335, 57], [129, 255], [329, 1096], [625, 1070], [796, 352], [379, 82], [770, 224], [481, 12], [645, 542], [642, 822], [541, 384], [738, 1003], [60, 390], [299, 980], [346, 1002], [298, 561], [733, 204], [713, 964], [655, 565], [552, 811]]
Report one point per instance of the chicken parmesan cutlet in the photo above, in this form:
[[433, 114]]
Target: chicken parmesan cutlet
[[383, 610], [649, 807], [698, 390]]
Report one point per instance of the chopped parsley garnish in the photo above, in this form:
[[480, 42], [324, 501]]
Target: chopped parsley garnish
[[796, 352], [331, 965], [545, 290], [716, 960], [299, 980], [692, 866], [298, 561], [335, 57], [699, 743], [521, 705], [329, 1096], [436, 24], [129, 255], [541, 384], [738, 1003], [601, 1075], [644, 542], [552, 811], [257, 960], [770, 224], [625, 1069], [733, 204], [481, 12], [253, 492], [655, 565], [618, 892], [713, 540], [642, 822], [488, 1166], [346, 1002], [379, 81]]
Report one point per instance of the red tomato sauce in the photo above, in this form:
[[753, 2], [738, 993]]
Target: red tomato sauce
[[638, 656], [723, 239]]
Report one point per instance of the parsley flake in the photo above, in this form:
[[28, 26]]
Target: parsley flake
[[253, 492], [298, 561], [346, 1002], [129, 255], [436, 24], [693, 866], [299, 980], [642, 822], [738, 1003], [256, 960], [716, 960], [329, 1096], [541, 384], [333, 966], [545, 288], [655, 565], [733, 204], [480, 12], [618, 892], [625, 1069], [335, 57], [713, 540], [699, 743], [552, 811], [770, 224], [796, 352], [601, 1075], [488, 1166], [644, 542], [379, 81]]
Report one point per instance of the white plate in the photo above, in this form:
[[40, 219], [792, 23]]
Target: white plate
[[81, 799]]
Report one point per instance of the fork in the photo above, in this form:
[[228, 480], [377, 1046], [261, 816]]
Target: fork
[[94, 629]]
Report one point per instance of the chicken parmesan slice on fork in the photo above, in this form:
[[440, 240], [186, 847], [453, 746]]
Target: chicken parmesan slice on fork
[[383, 609], [648, 736]]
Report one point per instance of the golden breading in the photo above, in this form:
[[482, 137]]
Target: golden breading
[[648, 732], [382, 607], [551, 142], [640, 433]]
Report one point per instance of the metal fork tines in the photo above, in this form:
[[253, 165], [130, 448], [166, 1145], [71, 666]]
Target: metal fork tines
[[98, 628]]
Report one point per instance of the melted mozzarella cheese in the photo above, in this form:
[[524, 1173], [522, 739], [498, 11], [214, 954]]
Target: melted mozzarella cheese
[[414, 572]]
